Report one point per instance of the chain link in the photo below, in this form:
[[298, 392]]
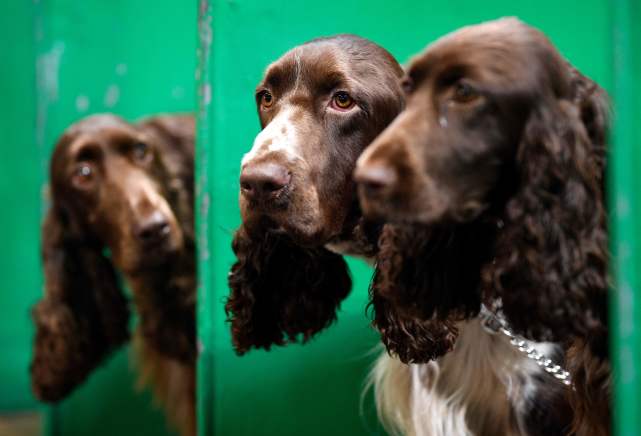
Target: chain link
[[494, 324]]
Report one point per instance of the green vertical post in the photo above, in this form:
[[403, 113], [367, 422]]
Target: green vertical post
[[205, 312], [626, 243]]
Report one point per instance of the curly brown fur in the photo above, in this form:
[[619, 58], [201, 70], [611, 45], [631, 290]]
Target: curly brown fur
[[127, 190], [83, 317], [500, 128], [411, 339], [592, 379], [426, 280], [281, 291], [551, 258]]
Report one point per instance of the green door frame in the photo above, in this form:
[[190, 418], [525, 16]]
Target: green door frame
[[625, 209]]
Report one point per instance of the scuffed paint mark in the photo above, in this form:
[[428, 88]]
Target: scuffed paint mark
[[47, 80], [49, 65], [204, 38], [178, 93], [121, 69], [204, 213], [206, 94], [112, 96], [82, 103]]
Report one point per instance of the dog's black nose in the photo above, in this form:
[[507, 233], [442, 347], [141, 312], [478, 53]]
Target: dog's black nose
[[153, 228], [375, 180], [264, 180]]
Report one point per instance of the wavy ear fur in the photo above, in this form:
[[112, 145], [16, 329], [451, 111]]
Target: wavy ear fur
[[83, 316], [411, 339], [282, 292], [551, 264], [426, 280]]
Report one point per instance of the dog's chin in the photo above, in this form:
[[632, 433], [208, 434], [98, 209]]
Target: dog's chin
[[396, 212], [301, 233], [149, 259]]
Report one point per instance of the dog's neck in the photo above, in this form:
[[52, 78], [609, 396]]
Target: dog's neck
[[177, 273], [165, 299]]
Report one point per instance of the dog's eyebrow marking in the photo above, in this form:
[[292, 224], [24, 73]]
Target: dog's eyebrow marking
[[298, 68]]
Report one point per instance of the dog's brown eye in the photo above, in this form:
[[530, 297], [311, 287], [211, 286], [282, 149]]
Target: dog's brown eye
[[464, 93], [140, 152], [82, 176], [266, 99], [342, 100]]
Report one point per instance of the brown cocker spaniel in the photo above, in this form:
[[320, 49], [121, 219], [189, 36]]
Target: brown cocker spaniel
[[121, 200], [494, 178], [320, 105]]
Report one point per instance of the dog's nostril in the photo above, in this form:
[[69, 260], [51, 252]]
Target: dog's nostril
[[375, 180], [153, 229], [264, 180], [374, 186], [270, 187]]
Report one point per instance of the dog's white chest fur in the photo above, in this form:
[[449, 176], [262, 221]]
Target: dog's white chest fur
[[477, 389]]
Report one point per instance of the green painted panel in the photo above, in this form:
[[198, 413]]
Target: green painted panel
[[19, 194], [625, 185], [315, 389], [133, 58], [136, 58]]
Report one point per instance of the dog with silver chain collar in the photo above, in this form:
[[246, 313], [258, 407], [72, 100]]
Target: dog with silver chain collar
[[492, 181]]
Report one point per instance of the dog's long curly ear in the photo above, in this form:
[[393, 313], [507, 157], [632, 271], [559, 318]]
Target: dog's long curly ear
[[551, 265], [426, 279], [282, 292], [83, 316], [411, 339]]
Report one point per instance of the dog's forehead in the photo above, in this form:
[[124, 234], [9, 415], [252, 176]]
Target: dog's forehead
[[99, 129], [502, 47], [312, 64], [97, 123]]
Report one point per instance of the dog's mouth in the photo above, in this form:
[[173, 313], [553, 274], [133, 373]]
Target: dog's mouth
[[395, 210], [422, 206], [299, 217], [304, 234], [141, 257]]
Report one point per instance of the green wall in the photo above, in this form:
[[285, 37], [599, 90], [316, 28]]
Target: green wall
[[20, 199], [315, 389], [138, 57]]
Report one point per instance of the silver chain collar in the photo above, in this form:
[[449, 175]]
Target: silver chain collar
[[494, 324]]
